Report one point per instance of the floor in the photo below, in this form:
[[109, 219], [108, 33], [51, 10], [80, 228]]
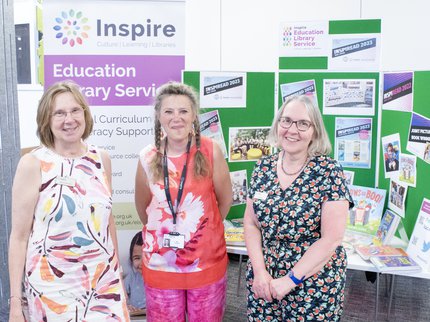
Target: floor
[[411, 300]]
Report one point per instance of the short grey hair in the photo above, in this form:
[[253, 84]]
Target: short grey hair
[[320, 143]]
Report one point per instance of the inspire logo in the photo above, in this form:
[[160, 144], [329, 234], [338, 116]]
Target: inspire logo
[[287, 36], [71, 28]]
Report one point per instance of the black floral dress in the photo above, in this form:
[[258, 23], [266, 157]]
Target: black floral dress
[[290, 222]]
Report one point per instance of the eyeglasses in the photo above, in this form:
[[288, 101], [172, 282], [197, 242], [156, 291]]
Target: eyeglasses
[[302, 125], [61, 115]]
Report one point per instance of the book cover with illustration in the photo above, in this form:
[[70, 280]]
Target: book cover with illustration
[[233, 232], [366, 214], [352, 238], [367, 251], [395, 264], [419, 244], [387, 227]]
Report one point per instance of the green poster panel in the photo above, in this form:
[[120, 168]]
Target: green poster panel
[[399, 122], [259, 112], [370, 26], [303, 62], [363, 177]]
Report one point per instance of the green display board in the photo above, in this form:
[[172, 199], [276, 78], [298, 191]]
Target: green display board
[[335, 27], [399, 122], [363, 177], [259, 112]]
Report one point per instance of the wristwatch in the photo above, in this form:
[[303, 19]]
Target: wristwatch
[[295, 279]]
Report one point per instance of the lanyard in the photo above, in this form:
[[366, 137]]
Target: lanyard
[[181, 182]]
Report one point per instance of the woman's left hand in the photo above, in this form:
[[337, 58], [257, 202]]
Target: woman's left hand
[[280, 287]]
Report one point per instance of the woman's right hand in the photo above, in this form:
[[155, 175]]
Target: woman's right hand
[[261, 285]]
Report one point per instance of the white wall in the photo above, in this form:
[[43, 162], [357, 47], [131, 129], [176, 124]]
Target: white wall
[[241, 35]]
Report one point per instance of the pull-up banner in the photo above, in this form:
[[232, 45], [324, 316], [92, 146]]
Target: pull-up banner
[[119, 52]]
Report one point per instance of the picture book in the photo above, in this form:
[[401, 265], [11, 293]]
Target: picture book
[[234, 233], [366, 214], [395, 263], [352, 238], [419, 244], [367, 251], [387, 227]]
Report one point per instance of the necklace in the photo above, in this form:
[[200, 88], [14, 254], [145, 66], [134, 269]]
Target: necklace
[[292, 173]]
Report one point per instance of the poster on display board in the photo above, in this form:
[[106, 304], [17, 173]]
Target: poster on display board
[[391, 151], [419, 137], [119, 52], [248, 143], [353, 141], [348, 45], [354, 52], [349, 97], [398, 91], [408, 169], [397, 198], [239, 187], [210, 126], [306, 87], [222, 89], [303, 39], [349, 177]]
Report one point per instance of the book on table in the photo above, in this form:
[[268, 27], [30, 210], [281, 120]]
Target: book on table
[[234, 232], [367, 251], [352, 238], [366, 214], [387, 227], [392, 264]]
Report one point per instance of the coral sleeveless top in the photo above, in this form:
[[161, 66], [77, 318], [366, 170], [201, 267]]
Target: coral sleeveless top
[[203, 260]]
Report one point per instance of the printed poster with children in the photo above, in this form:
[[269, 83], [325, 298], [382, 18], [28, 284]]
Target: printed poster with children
[[366, 214]]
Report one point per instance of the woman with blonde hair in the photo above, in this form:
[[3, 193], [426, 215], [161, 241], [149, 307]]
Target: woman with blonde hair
[[183, 193]]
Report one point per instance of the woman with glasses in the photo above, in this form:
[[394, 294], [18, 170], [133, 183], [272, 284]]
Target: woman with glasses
[[63, 235], [294, 222]]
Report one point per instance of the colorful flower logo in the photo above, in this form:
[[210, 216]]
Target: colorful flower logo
[[71, 28], [287, 36]]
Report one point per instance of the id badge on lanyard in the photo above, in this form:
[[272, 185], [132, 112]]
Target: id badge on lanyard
[[174, 240]]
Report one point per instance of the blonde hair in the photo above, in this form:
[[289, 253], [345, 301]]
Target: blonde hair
[[201, 166], [320, 143], [46, 105]]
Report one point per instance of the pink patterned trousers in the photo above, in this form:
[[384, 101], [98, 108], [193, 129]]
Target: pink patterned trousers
[[204, 304]]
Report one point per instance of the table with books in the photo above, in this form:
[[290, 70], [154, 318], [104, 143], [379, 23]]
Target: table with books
[[370, 249], [355, 262]]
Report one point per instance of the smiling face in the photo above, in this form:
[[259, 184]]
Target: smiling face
[[177, 117], [136, 257], [291, 140], [67, 120]]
